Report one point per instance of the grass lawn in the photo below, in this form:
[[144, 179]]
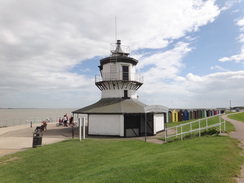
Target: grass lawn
[[238, 116], [203, 160]]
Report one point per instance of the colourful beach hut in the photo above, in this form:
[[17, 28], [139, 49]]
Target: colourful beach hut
[[190, 114], [169, 116], [174, 116], [200, 113], [185, 115], [180, 115], [204, 115], [208, 113], [194, 112], [197, 113]]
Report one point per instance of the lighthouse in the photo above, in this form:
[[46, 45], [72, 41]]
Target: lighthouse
[[119, 112], [118, 77]]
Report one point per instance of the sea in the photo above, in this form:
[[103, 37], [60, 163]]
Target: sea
[[21, 116]]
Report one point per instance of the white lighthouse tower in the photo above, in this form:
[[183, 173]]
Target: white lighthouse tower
[[118, 77], [119, 112]]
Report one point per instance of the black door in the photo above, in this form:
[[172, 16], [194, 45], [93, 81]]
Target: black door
[[149, 125], [134, 124]]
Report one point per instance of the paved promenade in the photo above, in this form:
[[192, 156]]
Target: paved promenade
[[18, 138], [239, 133]]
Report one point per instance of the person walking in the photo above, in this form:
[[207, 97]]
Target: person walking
[[65, 120], [71, 120]]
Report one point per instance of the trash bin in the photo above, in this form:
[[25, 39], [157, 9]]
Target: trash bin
[[37, 139]]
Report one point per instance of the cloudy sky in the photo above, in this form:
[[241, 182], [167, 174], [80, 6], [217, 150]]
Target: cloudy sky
[[191, 52]]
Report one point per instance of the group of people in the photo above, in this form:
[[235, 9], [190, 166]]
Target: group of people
[[65, 120]]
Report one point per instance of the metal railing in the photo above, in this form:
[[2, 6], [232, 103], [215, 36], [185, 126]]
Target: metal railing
[[124, 48], [194, 126], [118, 76], [25, 121]]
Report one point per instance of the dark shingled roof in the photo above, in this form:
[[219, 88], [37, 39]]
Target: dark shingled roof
[[119, 59], [113, 106], [123, 59]]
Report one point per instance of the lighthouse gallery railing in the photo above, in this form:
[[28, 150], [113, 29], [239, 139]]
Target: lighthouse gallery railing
[[118, 77]]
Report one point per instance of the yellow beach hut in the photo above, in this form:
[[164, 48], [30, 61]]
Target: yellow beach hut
[[174, 116]]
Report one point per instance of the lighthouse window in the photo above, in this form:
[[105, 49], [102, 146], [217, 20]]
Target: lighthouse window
[[125, 73]]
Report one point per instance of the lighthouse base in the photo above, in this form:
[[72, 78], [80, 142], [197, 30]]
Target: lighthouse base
[[121, 117]]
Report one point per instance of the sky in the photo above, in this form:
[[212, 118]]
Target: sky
[[190, 53]]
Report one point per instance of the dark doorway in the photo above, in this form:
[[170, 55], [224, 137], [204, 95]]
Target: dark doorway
[[134, 124], [125, 93], [149, 123]]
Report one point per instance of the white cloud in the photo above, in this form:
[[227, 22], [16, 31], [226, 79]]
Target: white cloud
[[164, 65], [218, 68], [238, 57], [213, 90], [241, 23], [241, 37], [229, 4], [42, 41], [168, 20]]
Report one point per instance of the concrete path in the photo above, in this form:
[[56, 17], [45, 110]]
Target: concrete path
[[239, 133], [18, 138]]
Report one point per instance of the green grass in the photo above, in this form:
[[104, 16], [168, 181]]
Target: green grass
[[202, 160], [238, 116]]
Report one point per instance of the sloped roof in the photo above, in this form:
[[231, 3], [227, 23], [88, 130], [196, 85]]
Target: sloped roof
[[113, 106]]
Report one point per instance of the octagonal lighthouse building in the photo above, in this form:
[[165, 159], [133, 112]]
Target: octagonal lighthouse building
[[119, 112], [118, 77]]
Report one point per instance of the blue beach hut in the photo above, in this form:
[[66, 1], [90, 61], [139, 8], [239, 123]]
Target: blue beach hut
[[185, 115]]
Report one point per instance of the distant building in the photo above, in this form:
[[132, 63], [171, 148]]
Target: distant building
[[119, 112]]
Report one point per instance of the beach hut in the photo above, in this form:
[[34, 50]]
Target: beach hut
[[198, 114], [185, 115], [174, 116], [194, 114], [204, 114], [180, 115], [209, 113], [190, 114], [169, 116]]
